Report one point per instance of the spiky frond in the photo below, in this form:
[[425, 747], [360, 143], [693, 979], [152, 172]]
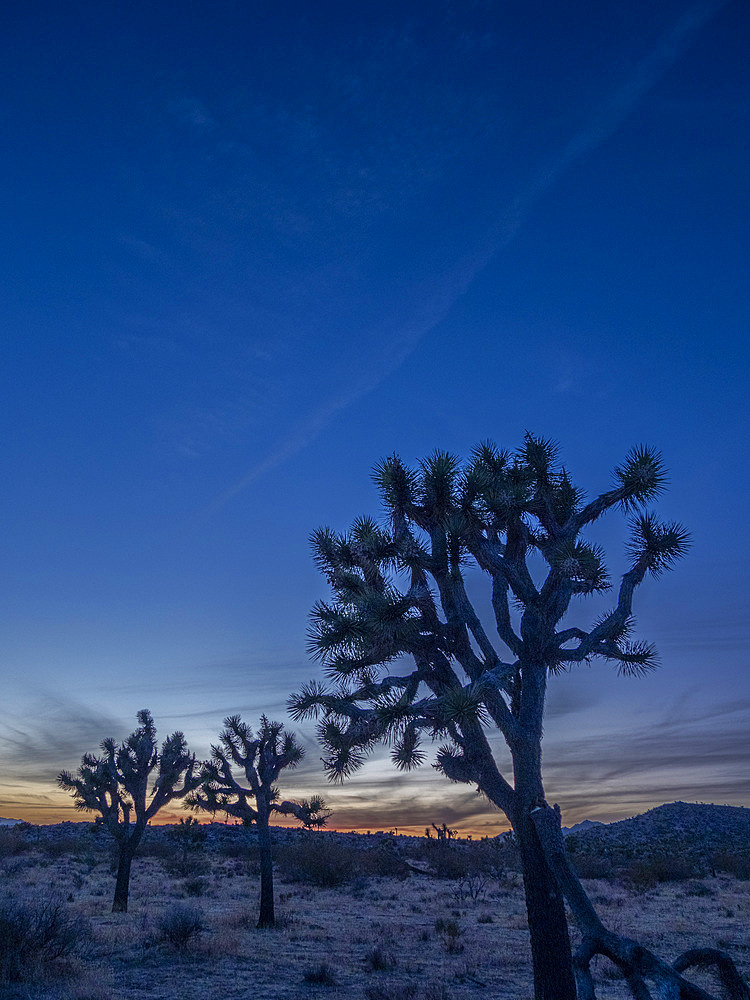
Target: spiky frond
[[583, 565], [490, 459], [642, 474], [539, 454], [396, 482], [635, 659], [450, 761], [463, 706], [307, 704], [343, 763], [660, 544], [406, 753], [393, 709], [437, 484], [565, 498], [619, 629]]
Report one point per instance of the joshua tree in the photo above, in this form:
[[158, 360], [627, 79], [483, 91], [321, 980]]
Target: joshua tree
[[116, 785], [312, 813], [262, 758], [401, 591]]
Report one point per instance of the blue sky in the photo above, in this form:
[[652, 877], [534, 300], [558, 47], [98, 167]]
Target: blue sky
[[250, 251]]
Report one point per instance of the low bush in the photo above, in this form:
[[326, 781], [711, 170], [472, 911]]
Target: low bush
[[33, 937], [379, 958], [447, 860], [161, 850], [315, 861], [195, 886], [179, 927], [13, 842], [648, 872], [450, 931], [735, 863], [592, 866], [321, 975]]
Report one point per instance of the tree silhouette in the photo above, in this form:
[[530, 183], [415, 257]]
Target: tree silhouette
[[401, 592], [116, 785], [262, 758]]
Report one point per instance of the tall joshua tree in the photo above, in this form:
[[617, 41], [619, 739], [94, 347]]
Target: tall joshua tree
[[401, 591], [116, 786], [262, 758]]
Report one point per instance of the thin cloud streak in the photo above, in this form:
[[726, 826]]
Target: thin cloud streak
[[605, 121]]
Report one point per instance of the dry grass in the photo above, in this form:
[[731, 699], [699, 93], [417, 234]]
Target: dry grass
[[374, 938]]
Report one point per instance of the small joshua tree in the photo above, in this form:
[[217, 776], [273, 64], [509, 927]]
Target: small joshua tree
[[189, 836], [401, 592], [262, 758], [312, 813], [116, 786]]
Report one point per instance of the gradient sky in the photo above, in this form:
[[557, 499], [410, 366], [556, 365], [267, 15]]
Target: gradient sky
[[249, 250]]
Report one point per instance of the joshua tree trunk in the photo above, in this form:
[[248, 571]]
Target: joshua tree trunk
[[548, 927], [266, 918], [122, 885], [545, 905]]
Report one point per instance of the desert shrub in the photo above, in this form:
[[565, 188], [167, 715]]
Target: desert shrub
[[497, 857], [648, 872], [735, 863], [179, 927], [13, 841], [447, 860], [379, 958], [320, 862], [33, 937], [195, 886], [321, 975], [472, 886], [60, 846], [161, 850], [449, 931], [593, 866], [382, 861]]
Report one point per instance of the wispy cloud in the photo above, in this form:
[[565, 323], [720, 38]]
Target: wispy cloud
[[397, 340], [36, 748]]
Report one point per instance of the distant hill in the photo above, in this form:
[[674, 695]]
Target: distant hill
[[8, 822], [685, 828], [585, 824]]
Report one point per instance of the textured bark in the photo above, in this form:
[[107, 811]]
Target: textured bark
[[266, 917], [545, 906], [122, 885], [548, 926]]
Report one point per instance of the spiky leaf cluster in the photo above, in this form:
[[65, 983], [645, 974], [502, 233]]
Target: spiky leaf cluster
[[116, 784], [260, 757], [399, 596]]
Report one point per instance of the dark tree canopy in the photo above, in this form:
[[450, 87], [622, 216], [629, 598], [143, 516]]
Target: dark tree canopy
[[409, 657], [261, 757], [116, 785], [400, 591]]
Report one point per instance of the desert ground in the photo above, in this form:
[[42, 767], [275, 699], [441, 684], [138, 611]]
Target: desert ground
[[190, 931]]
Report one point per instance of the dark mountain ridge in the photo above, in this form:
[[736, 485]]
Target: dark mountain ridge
[[692, 830]]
